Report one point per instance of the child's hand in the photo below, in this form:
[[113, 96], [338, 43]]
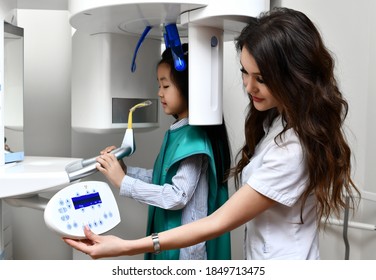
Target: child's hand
[[107, 150], [111, 168]]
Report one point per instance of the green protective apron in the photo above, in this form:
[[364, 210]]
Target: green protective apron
[[177, 145]]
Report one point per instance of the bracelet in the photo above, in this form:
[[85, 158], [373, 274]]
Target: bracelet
[[156, 245]]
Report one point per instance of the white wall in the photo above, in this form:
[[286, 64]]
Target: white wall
[[47, 131], [47, 82]]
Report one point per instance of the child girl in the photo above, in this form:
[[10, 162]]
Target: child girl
[[187, 181]]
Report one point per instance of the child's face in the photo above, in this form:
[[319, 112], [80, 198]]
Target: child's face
[[171, 99]]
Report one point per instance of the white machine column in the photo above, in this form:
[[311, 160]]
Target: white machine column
[[205, 75]]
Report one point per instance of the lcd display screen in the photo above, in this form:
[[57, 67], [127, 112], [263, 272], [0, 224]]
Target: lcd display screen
[[86, 200]]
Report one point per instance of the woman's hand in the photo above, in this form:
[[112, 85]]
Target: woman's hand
[[97, 246]]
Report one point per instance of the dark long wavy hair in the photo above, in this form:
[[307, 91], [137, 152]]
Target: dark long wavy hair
[[216, 133], [299, 72]]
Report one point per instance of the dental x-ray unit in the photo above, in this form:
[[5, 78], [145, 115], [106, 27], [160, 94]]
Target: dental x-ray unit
[[105, 80], [206, 21]]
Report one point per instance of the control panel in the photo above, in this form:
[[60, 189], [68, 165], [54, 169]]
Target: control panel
[[89, 203]]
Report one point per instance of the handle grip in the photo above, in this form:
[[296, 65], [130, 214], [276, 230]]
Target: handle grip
[[85, 167]]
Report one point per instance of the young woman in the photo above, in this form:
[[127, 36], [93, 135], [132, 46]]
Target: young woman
[[187, 182], [294, 168]]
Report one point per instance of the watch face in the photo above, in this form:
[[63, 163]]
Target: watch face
[[156, 245]]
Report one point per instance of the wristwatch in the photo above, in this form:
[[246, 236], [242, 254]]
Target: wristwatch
[[156, 245]]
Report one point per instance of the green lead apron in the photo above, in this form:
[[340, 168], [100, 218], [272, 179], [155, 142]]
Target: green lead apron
[[177, 145]]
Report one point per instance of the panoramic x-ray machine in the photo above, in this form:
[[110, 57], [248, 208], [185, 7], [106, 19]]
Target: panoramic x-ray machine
[[106, 30]]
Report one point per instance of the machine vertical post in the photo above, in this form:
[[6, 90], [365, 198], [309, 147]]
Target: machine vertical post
[[205, 75]]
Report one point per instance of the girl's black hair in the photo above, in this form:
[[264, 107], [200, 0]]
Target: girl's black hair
[[216, 133]]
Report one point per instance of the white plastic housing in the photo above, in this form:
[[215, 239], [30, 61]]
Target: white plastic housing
[[101, 71], [34, 175], [205, 75], [218, 21]]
